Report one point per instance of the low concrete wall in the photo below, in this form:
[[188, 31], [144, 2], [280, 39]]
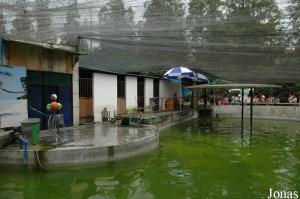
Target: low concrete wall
[[267, 111], [177, 118], [94, 154], [81, 154], [101, 154], [4, 138]]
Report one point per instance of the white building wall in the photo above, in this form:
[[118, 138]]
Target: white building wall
[[168, 89], [148, 90], [104, 94], [131, 92]]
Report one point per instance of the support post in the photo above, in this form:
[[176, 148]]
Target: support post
[[205, 98], [251, 109], [242, 116], [197, 105]]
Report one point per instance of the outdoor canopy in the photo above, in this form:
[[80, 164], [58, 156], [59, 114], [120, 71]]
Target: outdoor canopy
[[179, 73], [201, 78]]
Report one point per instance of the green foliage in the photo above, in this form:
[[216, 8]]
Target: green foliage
[[294, 11], [252, 22], [204, 16], [163, 10], [239, 40], [164, 19]]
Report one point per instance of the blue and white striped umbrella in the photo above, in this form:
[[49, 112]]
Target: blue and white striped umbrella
[[201, 78], [179, 73]]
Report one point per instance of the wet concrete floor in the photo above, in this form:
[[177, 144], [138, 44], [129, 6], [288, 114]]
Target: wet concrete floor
[[97, 135]]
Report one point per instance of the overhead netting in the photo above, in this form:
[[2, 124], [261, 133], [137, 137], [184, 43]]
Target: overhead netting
[[237, 40]]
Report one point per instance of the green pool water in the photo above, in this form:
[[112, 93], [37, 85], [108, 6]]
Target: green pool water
[[195, 160]]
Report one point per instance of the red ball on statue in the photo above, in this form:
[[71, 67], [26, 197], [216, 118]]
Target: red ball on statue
[[54, 106]]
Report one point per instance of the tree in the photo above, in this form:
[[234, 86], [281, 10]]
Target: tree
[[205, 16], [2, 23], [129, 18], [294, 13], [22, 24], [243, 36], [162, 35], [116, 26], [164, 17], [115, 19], [234, 25], [43, 20], [252, 22], [71, 27], [117, 41]]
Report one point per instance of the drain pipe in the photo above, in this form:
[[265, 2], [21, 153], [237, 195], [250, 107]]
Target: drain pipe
[[242, 112], [25, 142], [38, 158]]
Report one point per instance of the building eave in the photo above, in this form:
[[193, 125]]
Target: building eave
[[49, 46], [116, 73]]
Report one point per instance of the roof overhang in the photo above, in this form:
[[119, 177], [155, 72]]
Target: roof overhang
[[116, 73], [49, 46]]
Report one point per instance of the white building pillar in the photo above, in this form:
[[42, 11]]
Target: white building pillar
[[105, 87], [131, 92], [148, 91], [75, 85]]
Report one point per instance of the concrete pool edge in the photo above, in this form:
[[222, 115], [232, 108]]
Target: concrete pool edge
[[258, 117], [80, 155], [193, 115]]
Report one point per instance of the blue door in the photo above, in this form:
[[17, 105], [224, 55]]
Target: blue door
[[66, 99], [39, 90], [35, 97]]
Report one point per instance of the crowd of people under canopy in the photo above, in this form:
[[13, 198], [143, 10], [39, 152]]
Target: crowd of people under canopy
[[237, 99]]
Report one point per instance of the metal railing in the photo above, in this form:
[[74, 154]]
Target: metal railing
[[168, 104], [261, 104]]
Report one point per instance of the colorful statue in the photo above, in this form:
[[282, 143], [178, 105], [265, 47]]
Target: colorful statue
[[55, 121]]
